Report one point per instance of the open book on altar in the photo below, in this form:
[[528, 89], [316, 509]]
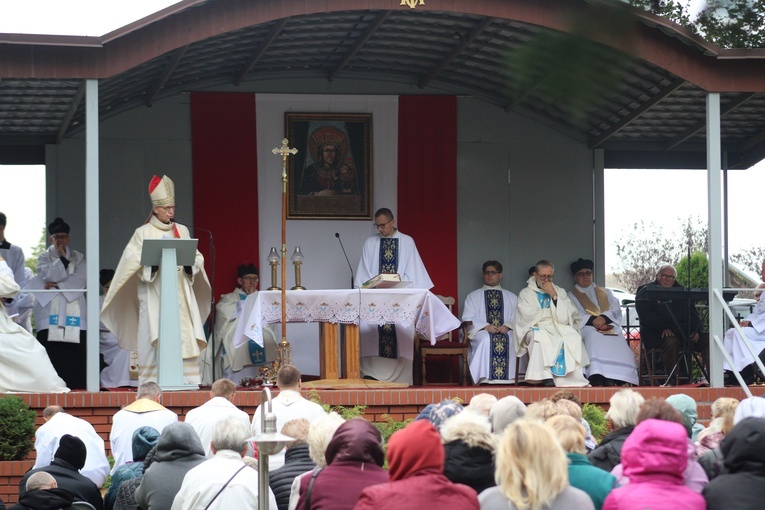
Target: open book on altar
[[385, 281]]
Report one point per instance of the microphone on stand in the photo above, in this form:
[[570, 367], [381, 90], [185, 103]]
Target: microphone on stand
[[346, 257]]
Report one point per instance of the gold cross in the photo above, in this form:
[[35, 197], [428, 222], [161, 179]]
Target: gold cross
[[285, 151]]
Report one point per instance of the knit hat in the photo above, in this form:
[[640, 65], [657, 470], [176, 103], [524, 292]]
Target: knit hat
[[72, 450], [507, 410], [582, 264], [58, 226], [245, 269], [162, 191], [442, 411]]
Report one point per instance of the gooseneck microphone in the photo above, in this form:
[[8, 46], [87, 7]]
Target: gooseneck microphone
[[346, 257]]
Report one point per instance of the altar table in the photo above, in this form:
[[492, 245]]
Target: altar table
[[332, 308]]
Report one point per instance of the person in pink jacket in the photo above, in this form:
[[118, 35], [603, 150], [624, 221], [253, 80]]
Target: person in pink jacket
[[416, 466], [654, 458]]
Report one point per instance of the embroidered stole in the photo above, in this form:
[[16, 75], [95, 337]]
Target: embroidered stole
[[388, 343], [587, 303], [499, 342], [559, 367]]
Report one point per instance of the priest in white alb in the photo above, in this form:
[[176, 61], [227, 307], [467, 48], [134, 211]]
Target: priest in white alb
[[612, 362], [236, 363], [754, 329], [131, 307], [547, 327], [491, 310], [387, 351], [61, 317]]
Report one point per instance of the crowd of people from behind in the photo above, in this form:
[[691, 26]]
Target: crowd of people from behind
[[491, 454]]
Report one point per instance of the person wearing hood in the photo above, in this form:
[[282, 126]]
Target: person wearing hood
[[416, 464], [144, 439], [654, 458], [469, 448], [65, 467], [693, 475], [743, 486], [43, 493], [178, 451], [686, 406], [354, 461]]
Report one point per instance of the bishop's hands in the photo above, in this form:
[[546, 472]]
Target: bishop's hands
[[493, 330]]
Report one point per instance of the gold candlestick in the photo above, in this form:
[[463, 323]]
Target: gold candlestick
[[273, 261], [297, 260]]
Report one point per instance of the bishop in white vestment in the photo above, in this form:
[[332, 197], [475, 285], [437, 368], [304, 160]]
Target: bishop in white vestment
[[547, 326], [387, 351], [612, 362], [491, 310], [131, 307]]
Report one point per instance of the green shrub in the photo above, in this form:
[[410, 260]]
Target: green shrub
[[17, 428], [596, 417]]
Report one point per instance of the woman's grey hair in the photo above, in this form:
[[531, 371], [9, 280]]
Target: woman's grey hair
[[624, 407], [320, 434], [230, 434]]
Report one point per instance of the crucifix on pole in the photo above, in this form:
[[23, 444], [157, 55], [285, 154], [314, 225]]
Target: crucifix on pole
[[284, 350]]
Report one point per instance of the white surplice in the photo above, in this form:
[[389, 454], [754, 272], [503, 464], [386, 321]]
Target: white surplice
[[411, 269], [24, 363], [755, 333], [48, 435], [131, 307], [205, 417], [610, 355], [543, 330], [50, 269], [479, 356]]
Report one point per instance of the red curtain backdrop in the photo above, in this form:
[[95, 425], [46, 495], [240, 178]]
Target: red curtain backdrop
[[427, 184], [224, 151]]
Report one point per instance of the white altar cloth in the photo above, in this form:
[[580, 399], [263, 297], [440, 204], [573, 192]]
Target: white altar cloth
[[418, 307]]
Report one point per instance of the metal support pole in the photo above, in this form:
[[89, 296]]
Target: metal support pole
[[92, 235], [716, 262]]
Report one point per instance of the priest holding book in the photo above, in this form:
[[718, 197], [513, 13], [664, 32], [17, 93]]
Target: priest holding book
[[389, 252]]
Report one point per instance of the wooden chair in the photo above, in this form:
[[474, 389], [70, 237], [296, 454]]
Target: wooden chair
[[445, 346], [650, 357]]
